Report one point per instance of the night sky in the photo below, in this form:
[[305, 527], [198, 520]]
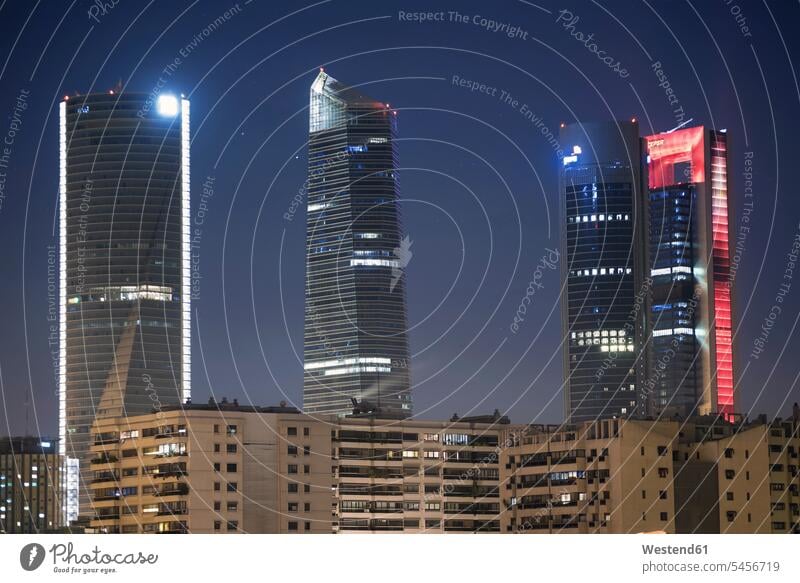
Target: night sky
[[478, 175]]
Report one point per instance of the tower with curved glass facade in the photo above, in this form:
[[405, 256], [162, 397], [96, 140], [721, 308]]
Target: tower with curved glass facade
[[124, 261], [356, 344], [604, 301]]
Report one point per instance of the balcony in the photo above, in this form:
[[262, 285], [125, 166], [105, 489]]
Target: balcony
[[173, 490], [105, 478], [106, 459]]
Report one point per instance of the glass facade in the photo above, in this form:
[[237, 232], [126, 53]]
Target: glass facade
[[124, 244], [355, 318], [602, 319], [690, 316]]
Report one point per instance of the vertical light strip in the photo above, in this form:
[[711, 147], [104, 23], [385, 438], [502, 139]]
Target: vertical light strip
[[62, 279], [722, 275], [186, 283]]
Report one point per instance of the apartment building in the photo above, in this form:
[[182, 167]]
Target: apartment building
[[738, 477], [412, 476], [607, 476], [33, 487], [703, 475], [213, 468]]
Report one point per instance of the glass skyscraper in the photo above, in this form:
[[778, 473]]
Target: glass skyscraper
[[603, 308], [124, 261], [691, 350], [356, 345]]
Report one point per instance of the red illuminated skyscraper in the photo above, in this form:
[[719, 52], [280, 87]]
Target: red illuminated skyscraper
[[689, 319]]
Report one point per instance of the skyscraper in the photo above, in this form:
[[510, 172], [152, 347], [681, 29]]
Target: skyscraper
[[355, 317], [602, 267], [124, 264], [691, 351]]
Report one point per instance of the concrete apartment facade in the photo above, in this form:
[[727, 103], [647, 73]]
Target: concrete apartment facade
[[225, 468], [608, 476], [418, 476], [621, 476], [214, 468]]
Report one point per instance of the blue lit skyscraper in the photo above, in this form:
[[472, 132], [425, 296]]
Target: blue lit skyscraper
[[356, 345], [604, 305]]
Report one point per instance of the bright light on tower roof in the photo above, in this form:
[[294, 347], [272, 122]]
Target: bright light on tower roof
[[167, 105]]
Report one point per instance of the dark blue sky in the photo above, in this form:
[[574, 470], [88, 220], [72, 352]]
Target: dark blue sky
[[478, 176]]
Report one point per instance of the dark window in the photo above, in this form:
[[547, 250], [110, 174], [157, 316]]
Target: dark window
[[308, 526], [306, 450], [293, 525], [232, 487], [729, 496], [216, 486], [231, 468], [232, 506], [664, 516], [217, 506], [306, 469], [233, 525], [292, 487], [231, 447], [729, 474], [307, 507], [291, 450], [292, 469], [216, 466], [662, 494], [216, 448], [306, 488], [306, 431], [217, 524], [292, 507], [291, 431], [231, 429], [216, 428]]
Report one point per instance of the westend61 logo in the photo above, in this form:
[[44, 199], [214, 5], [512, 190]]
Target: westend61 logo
[[65, 560]]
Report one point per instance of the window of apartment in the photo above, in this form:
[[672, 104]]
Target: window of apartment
[[292, 487], [663, 472], [306, 450], [663, 517], [307, 526], [641, 450], [232, 487], [306, 431], [746, 453], [432, 523], [231, 430], [778, 526], [216, 428], [729, 496], [231, 448], [747, 475], [292, 507], [233, 525], [232, 506], [130, 471], [433, 506], [728, 452], [431, 437], [291, 450], [731, 515], [216, 486], [129, 453], [217, 467], [412, 506], [231, 468], [291, 431], [410, 453], [431, 454], [643, 472], [130, 529], [729, 474], [307, 507], [216, 448], [217, 525], [293, 526], [306, 488], [411, 488], [662, 494], [662, 450], [644, 494], [217, 506], [306, 469], [292, 469], [130, 509]]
